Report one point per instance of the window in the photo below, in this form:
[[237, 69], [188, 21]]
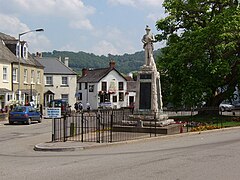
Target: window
[[9, 97], [48, 98], [85, 85], [91, 88], [49, 80], [38, 77], [104, 86], [32, 76], [25, 51], [121, 96], [64, 80], [79, 96], [25, 75], [17, 49], [5, 77], [105, 97], [65, 97], [15, 74], [114, 98], [120, 85], [79, 86]]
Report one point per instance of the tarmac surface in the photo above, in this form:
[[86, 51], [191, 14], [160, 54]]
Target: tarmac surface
[[74, 146]]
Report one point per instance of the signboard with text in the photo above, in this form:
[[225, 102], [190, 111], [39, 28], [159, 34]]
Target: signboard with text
[[53, 112]]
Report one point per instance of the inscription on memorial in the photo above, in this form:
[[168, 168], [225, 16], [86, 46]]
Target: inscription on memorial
[[145, 76], [145, 96]]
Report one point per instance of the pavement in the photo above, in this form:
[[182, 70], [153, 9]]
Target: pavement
[[74, 146], [67, 146]]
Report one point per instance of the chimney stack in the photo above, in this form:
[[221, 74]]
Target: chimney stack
[[39, 55], [84, 72], [112, 64], [66, 59]]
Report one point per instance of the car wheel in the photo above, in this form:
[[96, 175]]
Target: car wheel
[[40, 120], [29, 121]]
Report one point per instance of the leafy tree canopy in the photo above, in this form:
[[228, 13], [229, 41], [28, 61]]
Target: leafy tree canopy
[[201, 60]]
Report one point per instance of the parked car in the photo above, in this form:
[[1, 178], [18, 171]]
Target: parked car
[[24, 114], [65, 108], [226, 107], [237, 106]]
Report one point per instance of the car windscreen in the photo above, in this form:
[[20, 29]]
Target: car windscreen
[[19, 109], [55, 104]]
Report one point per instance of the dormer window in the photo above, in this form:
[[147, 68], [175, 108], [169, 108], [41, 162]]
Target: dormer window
[[17, 49], [25, 51]]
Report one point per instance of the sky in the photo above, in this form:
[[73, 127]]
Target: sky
[[101, 27]]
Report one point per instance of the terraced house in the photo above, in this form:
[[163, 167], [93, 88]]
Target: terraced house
[[21, 77]]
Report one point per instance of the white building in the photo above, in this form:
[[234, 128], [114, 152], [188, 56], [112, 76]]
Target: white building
[[104, 87], [60, 80]]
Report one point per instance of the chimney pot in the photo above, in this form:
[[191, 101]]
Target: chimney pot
[[112, 64], [84, 72], [66, 59]]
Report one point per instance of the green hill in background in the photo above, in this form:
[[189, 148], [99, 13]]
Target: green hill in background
[[124, 63]]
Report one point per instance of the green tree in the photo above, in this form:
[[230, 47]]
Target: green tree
[[201, 60]]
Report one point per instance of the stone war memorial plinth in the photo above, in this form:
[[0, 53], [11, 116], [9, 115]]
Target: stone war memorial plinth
[[148, 104], [148, 94]]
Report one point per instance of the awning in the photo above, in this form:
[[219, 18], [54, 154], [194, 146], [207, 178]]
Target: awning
[[28, 91], [3, 91]]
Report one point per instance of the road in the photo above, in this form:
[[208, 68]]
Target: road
[[213, 155]]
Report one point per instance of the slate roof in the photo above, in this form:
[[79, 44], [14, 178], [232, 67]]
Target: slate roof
[[7, 55], [55, 67], [6, 37], [95, 75]]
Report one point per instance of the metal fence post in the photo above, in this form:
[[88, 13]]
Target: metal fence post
[[53, 129], [64, 127], [82, 129], [111, 127], [98, 128], [155, 118]]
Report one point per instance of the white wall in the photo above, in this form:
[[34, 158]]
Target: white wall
[[58, 90], [5, 83], [93, 98]]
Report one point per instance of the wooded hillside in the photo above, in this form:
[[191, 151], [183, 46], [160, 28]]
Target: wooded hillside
[[124, 63]]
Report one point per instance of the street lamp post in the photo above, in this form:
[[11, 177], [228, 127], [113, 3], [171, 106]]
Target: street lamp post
[[19, 58]]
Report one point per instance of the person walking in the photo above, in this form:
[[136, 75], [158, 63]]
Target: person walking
[[76, 106], [88, 106], [80, 106]]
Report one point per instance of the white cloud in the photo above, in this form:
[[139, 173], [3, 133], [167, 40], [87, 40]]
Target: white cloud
[[104, 47], [137, 3], [73, 10], [112, 40], [81, 24], [122, 2], [153, 3], [69, 47], [13, 26]]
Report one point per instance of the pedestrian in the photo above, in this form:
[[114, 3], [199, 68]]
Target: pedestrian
[[88, 106], [80, 106], [32, 103], [76, 106]]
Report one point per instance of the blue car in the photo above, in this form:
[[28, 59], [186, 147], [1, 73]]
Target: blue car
[[24, 114]]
